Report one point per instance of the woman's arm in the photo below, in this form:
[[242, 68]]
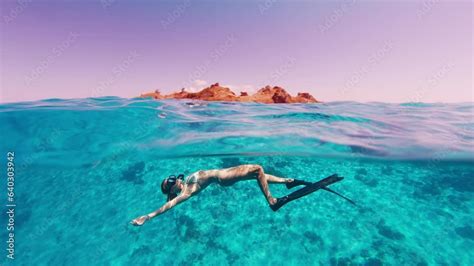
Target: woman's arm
[[168, 205]]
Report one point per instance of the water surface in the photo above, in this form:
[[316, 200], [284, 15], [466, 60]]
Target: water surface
[[86, 167]]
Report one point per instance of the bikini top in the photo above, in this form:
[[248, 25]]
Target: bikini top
[[192, 178]]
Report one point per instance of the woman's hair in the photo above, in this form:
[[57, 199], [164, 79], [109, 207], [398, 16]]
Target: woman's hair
[[171, 196], [166, 189]]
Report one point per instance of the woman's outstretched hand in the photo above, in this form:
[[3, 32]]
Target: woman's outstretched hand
[[140, 220]]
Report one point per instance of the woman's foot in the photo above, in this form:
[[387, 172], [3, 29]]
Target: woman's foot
[[279, 202], [272, 201], [295, 182]]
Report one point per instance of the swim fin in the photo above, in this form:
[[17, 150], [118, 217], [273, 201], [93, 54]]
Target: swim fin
[[298, 182], [306, 190], [340, 195]]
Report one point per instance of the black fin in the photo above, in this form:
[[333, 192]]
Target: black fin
[[340, 195], [305, 191], [297, 182], [280, 202]]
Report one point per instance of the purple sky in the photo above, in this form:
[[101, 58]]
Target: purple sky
[[389, 51]]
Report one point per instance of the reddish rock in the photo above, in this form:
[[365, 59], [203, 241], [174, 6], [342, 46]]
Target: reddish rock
[[215, 92], [178, 95], [303, 97], [281, 96], [154, 95], [268, 94]]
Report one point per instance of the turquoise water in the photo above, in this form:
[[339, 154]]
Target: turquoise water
[[84, 168]]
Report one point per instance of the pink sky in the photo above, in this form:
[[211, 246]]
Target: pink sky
[[398, 51]]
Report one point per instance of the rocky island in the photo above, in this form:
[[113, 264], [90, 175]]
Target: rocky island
[[215, 92]]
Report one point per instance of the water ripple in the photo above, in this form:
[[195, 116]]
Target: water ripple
[[105, 127]]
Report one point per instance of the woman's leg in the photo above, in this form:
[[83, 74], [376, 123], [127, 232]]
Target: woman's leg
[[231, 175], [278, 180], [263, 183]]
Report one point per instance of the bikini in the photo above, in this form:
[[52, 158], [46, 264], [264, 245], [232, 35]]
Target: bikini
[[192, 178]]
